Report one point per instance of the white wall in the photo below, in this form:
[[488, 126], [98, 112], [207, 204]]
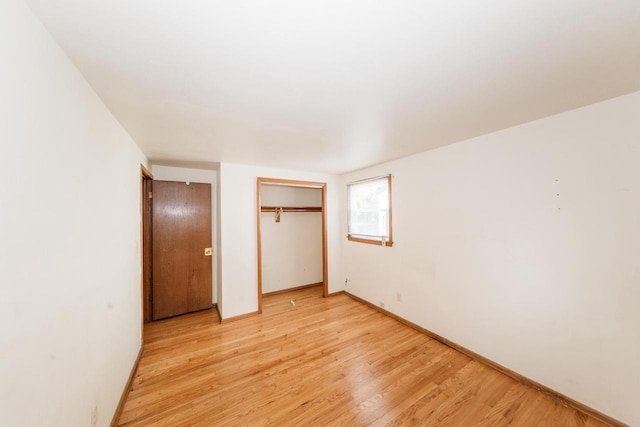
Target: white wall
[[524, 246], [238, 239], [206, 176], [291, 248], [283, 195], [218, 244], [69, 237]]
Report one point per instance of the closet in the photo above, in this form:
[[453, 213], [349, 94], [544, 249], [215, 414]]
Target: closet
[[291, 236]]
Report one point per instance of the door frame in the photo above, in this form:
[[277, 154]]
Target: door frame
[[146, 187], [292, 183]]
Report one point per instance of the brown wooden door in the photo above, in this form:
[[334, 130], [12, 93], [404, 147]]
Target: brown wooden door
[[181, 235]]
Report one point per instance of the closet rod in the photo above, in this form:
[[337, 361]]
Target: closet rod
[[291, 208]]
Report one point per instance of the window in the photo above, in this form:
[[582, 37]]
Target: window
[[370, 211]]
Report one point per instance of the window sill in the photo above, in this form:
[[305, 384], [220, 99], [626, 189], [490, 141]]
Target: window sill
[[369, 241]]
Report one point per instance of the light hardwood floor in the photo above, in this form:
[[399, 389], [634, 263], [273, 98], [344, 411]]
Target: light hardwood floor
[[320, 362]]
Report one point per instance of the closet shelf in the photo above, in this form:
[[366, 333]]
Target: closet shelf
[[291, 208]]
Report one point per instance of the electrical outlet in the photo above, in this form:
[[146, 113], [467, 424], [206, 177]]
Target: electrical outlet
[[94, 417], [398, 297], [382, 304]]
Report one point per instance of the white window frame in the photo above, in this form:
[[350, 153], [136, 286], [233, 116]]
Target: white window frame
[[376, 239]]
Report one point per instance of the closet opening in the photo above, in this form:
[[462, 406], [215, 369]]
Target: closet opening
[[292, 235]]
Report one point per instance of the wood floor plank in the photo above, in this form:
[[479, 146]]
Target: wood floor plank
[[320, 361]]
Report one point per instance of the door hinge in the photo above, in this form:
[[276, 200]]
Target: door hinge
[[150, 195]]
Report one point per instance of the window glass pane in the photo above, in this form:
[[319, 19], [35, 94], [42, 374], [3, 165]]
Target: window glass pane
[[369, 209]]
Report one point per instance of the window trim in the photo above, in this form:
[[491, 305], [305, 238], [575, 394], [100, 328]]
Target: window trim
[[359, 238]]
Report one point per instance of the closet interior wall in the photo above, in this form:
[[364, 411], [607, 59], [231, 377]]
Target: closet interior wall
[[292, 243]]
